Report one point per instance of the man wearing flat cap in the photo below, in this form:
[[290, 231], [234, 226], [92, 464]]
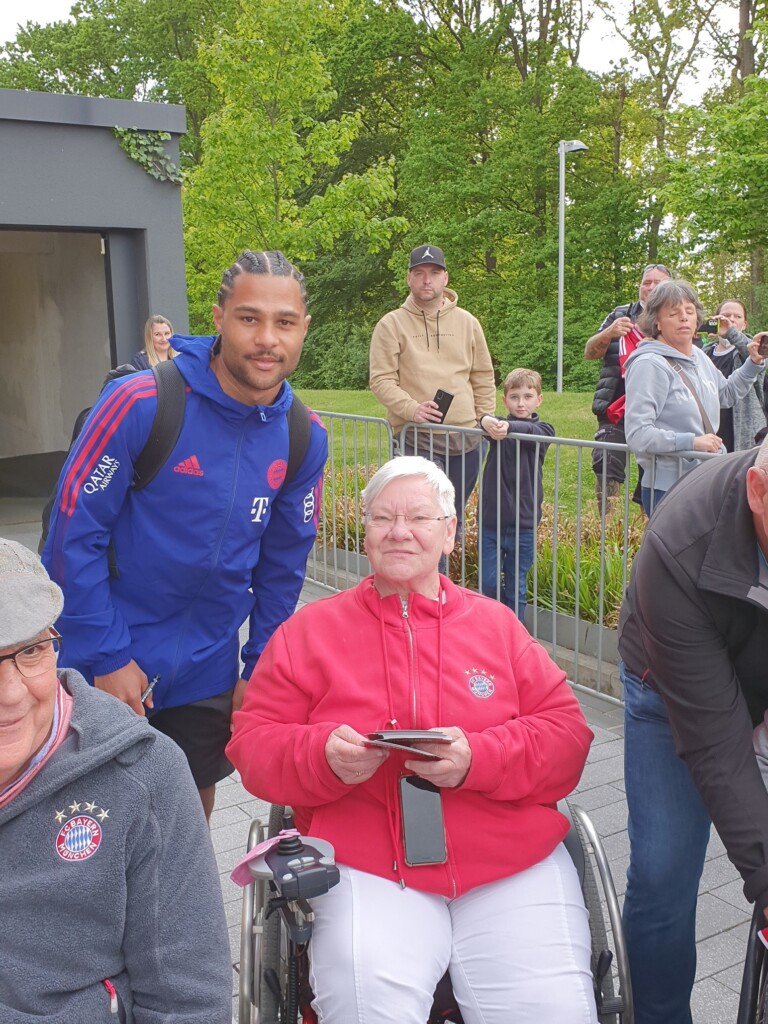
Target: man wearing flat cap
[[427, 344], [111, 905]]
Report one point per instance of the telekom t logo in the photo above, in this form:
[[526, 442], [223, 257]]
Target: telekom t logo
[[258, 509]]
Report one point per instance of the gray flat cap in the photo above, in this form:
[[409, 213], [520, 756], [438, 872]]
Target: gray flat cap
[[30, 601]]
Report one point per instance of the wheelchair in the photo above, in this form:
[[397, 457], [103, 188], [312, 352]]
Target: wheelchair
[[753, 998], [276, 925]]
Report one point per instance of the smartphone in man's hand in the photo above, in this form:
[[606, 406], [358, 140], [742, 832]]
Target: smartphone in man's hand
[[443, 401]]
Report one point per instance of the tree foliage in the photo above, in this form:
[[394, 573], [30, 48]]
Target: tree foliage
[[345, 133], [266, 145]]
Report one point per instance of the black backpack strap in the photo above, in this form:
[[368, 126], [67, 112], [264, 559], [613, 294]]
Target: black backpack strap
[[166, 426], [299, 433]]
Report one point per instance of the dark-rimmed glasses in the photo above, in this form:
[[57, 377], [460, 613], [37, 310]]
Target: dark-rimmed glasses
[[657, 266], [32, 660]]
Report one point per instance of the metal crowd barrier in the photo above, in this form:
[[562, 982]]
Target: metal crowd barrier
[[583, 546]]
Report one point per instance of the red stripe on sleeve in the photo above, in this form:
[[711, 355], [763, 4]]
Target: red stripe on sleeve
[[104, 425]]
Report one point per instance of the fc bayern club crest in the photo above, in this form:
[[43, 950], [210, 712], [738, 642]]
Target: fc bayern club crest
[[81, 834], [480, 684]]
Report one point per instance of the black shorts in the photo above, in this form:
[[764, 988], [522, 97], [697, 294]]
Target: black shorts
[[202, 731]]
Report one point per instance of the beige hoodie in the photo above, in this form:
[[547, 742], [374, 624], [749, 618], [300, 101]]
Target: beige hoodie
[[413, 353]]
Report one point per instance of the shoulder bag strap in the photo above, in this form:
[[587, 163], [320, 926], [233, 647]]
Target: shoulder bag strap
[[708, 428]]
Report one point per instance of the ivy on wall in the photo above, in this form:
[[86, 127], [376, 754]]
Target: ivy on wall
[[148, 150]]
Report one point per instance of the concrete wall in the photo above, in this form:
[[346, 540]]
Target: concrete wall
[[54, 338], [90, 246], [62, 168]]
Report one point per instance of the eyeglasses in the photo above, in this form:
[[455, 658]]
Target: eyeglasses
[[657, 266], [386, 520], [33, 660]]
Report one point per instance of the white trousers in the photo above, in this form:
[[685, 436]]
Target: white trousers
[[518, 950]]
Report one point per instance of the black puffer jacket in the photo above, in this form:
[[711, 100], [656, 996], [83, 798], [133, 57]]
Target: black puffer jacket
[[610, 385]]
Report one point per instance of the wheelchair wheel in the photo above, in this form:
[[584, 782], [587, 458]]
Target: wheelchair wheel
[[601, 973], [251, 936], [753, 999], [273, 972], [271, 980], [260, 939], [600, 896]]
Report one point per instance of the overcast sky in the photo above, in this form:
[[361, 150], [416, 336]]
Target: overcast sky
[[31, 10]]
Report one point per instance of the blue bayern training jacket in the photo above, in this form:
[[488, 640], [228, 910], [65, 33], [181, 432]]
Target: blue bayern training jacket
[[212, 540]]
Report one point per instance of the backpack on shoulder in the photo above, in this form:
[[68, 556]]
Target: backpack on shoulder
[[166, 427]]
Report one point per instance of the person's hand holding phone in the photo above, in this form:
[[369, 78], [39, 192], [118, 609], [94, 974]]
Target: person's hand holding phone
[[350, 758], [758, 347], [453, 766], [427, 412], [724, 325]]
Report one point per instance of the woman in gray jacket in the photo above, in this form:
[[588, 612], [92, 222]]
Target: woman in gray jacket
[[674, 392]]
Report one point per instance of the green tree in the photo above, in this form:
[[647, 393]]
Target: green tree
[[266, 146], [723, 185], [122, 49], [665, 39]]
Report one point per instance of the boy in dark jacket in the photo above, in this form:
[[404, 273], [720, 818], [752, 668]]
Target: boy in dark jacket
[[512, 491]]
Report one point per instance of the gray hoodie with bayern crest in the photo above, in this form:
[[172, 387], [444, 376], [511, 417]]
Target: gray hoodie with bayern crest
[[110, 902]]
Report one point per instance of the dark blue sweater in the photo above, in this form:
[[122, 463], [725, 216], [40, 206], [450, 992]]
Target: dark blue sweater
[[505, 465]]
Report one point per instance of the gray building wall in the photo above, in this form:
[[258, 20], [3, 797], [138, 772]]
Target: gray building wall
[[104, 251], [54, 346]]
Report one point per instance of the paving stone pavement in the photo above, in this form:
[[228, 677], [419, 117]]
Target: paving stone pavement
[[723, 913]]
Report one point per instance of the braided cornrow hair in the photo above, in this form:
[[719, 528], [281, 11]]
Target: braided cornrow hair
[[273, 263]]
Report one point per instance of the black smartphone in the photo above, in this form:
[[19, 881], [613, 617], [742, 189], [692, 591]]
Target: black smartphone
[[421, 806], [710, 326], [762, 348], [443, 401]]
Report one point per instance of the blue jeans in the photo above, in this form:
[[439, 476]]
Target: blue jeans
[[514, 572], [645, 499], [668, 835]]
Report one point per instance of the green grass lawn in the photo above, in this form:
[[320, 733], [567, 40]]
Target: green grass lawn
[[570, 414]]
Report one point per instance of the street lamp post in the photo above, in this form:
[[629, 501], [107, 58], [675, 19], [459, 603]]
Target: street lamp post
[[563, 147]]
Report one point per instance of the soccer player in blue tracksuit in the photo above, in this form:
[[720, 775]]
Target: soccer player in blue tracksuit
[[217, 537]]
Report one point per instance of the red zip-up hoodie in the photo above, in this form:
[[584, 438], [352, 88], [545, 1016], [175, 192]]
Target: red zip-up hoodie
[[366, 661]]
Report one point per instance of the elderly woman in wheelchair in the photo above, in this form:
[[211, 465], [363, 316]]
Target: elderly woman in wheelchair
[[449, 844]]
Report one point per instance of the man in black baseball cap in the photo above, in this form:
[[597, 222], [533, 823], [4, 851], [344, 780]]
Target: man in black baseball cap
[[424, 254], [430, 344]]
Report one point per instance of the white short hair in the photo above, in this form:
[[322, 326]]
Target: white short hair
[[413, 465]]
